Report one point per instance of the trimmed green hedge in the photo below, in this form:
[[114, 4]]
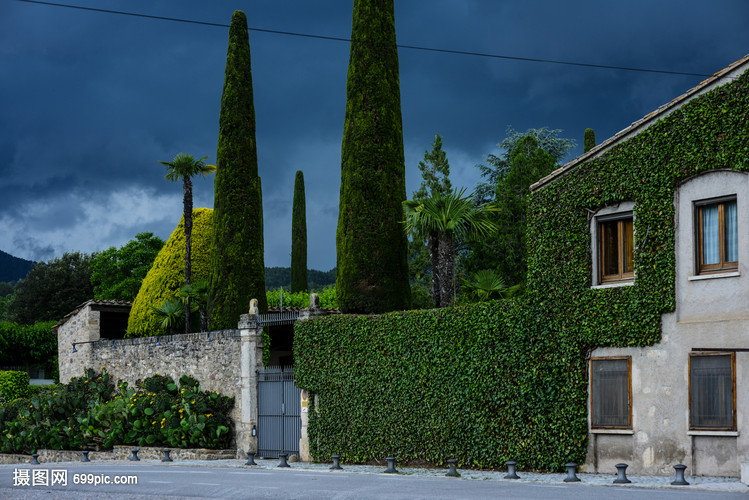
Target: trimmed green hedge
[[508, 380], [14, 385], [167, 275]]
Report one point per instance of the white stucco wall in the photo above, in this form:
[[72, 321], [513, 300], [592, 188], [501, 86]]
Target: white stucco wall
[[711, 313]]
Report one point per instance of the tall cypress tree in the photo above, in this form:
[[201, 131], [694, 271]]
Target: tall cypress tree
[[299, 237], [589, 142], [237, 272], [372, 271]]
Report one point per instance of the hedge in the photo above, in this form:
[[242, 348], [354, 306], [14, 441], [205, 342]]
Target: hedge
[[14, 385], [507, 380]]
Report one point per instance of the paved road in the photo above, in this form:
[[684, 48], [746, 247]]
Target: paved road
[[156, 480]]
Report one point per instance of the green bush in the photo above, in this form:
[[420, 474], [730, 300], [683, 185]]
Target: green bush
[[327, 297], [167, 275], [88, 413], [14, 385]]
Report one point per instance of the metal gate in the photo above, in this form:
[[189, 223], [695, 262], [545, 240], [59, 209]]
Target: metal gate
[[279, 426]]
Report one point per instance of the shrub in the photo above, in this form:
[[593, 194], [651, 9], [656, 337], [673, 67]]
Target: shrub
[[14, 385], [88, 413]]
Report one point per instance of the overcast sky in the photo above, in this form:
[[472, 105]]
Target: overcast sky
[[90, 102]]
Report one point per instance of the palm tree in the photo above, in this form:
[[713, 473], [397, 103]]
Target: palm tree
[[441, 219], [198, 294], [170, 314], [185, 167], [487, 285]]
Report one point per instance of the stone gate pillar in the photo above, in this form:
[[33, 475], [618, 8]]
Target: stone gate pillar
[[251, 360]]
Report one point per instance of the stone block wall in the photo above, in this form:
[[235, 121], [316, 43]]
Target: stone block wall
[[215, 363], [223, 361]]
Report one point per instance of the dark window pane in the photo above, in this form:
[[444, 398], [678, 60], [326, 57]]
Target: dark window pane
[[610, 393], [610, 248], [711, 395]]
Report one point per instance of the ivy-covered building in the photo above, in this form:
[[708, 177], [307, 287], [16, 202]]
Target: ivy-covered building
[[643, 245]]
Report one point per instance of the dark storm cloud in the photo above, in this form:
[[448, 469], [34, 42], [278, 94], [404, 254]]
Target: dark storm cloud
[[92, 101]]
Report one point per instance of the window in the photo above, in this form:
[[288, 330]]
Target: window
[[717, 236], [712, 388], [616, 249], [611, 393]]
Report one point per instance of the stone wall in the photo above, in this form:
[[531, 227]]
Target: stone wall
[[224, 361]]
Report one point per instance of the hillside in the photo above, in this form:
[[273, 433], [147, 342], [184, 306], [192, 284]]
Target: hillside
[[13, 268], [276, 277]]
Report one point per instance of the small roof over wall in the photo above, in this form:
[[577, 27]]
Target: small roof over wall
[[719, 78], [120, 306]]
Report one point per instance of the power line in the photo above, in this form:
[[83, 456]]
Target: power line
[[348, 40]]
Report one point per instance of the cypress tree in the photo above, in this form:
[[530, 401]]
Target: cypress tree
[[590, 140], [237, 270], [299, 237], [372, 271]]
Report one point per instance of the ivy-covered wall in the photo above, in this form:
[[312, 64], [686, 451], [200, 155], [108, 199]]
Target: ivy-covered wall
[[507, 380]]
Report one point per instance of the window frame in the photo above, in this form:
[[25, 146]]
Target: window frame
[[621, 276], [732, 427], [593, 425], [722, 266]]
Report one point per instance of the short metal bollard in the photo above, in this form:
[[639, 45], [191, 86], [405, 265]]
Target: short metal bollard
[[336, 462], [85, 456], [452, 472], [391, 466], [511, 470], [251, 458], [621, 474], [283, 457], [34, 460], [680, 481], [167, 457], [134, 458], [571, 473]]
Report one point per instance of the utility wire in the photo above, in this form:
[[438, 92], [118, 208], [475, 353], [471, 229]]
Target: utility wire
[[341, 39]]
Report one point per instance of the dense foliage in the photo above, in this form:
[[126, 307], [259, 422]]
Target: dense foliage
[[52, 289], [167, 276], [90, 413], [507, 380], [237, 266], [13, 385], [117, 273], [589, 140], [299, 236], [301, 299], [29, 346], [372, 271]]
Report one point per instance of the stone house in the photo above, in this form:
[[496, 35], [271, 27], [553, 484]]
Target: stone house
[[667, 208]]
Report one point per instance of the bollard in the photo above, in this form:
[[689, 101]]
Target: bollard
[[452, 472], [680, 481], [391, 466], [283, 457], [34, 460], [621, 477], [167, 457], [134, 458], [571, 476], [511, 470], [336, 462], [251, 458], [85, 456]]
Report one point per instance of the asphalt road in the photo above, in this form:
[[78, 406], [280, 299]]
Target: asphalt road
[[155, 480]]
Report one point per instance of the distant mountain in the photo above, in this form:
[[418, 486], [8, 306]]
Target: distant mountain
[[276, 277], [13, 268]]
